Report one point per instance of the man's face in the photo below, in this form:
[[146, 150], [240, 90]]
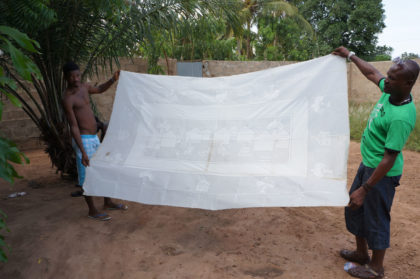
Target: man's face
[[396, 82], [73, 78]]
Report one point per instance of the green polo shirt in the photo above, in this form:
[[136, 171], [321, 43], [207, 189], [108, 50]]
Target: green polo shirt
[[388, 127]]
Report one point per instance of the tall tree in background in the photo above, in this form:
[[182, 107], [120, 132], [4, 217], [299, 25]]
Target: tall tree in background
[[91, 33], [248, 16], [193, 38], [286, 30], [271, 11], [202, 38], [352, 23], [410, 55], [283, 34], [382, 53]]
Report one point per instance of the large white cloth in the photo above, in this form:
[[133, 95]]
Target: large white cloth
[[277, 137]]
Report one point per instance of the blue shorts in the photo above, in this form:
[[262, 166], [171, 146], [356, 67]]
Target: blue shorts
[[372, 220], [90, 144]]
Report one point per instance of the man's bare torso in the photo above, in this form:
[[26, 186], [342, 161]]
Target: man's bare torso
[[78, 97]]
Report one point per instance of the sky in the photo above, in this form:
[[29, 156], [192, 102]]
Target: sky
[[402, 31]]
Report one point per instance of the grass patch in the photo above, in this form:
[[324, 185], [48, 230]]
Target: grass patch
[[413, 142], [359, 114]]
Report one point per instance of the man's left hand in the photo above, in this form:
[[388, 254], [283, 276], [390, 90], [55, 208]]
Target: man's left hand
[[357, 198]]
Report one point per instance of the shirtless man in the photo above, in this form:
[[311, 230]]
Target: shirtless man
[[84, 128]]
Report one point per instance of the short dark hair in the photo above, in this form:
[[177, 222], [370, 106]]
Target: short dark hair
[[69, 67], [412, 68], [409, 67]]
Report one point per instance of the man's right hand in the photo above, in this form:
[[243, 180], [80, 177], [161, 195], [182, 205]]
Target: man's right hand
[[357, 198], [85, 160], [116, 75], [341, 51]]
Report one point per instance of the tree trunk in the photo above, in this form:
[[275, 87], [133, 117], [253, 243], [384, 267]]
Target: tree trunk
[[248, 40]]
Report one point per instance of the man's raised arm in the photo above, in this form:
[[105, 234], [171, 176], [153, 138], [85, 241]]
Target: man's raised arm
[[370, 72], [104, 86]]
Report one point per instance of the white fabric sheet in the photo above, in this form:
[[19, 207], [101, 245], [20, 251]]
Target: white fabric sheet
[[277, 137]]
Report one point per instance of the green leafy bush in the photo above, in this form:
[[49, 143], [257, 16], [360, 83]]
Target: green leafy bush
[[11, 43]]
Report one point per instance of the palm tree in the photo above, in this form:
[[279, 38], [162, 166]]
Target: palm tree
[[92, 33], [254, 9]]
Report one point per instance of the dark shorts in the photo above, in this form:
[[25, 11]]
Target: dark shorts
[[372, 219]]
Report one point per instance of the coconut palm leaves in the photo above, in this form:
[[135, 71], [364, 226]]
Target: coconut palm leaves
[[93, 34], [260, 14]]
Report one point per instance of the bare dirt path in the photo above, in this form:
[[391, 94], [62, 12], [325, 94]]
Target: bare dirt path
[[51, 237]]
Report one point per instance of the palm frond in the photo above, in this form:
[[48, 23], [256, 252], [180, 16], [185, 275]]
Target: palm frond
[[93, 34]]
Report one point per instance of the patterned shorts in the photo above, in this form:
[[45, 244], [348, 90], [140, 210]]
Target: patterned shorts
[[90, 144]]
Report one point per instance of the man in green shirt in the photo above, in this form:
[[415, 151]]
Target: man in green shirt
[[390, 123]]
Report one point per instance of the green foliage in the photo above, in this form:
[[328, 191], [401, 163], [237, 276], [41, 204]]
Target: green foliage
[[284, 39], [410, 55], [192, 39], [268, 15], [93, 34], [9, 37], [25, 14], [10, 153], [228, 34], [202, 38], [12, 55], [153, 67], [96, 33], [282, 34], [413, 142], [351, 23], [381, 57], [3, 245], [382, 53], [359, 115]]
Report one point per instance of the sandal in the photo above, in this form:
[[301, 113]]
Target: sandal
[[76, 194], [100, 217], [365, 272], [119, 206], [353, 257]]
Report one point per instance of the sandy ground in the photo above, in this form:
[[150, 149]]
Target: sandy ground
[[51, 237]]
